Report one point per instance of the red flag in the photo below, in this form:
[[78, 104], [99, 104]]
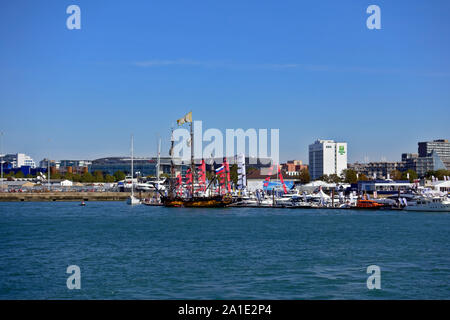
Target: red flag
[[267, 180]]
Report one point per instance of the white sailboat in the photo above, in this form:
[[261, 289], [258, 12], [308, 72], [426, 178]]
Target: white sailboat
[[132, 200]]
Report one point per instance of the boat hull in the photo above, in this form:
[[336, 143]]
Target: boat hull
[[197, 202]]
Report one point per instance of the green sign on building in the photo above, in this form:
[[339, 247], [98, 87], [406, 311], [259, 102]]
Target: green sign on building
[[341, 150]]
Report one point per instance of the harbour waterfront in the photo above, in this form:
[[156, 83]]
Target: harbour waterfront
[[64, 196], [144, 252]]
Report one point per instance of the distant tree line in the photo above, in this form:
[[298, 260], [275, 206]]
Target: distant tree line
[[87, 177]]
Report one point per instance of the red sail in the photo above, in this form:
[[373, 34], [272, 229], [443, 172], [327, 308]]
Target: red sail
[[227, 170], [202, 176], [188, 176], [179, 184], [281, 179]]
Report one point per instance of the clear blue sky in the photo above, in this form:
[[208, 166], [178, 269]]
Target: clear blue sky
[[310, 68]]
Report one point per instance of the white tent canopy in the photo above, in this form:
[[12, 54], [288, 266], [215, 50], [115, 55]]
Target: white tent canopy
[[66, 183]]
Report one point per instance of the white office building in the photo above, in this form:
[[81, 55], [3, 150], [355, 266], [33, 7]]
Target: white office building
[[24, 160], [327, 157], [18, 160]]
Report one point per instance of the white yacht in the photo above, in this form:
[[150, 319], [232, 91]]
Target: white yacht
[[435, 204]]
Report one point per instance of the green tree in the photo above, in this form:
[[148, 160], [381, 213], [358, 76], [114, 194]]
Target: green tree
[[109, 178], [304, 176], [76, 177], [87, 177], [29, 176], [362, 177], [234, 174], [68, 176], [396, 175], [55, 175], [19, 174], [334, 178], [350, 176], [441, 173], [412, 175], [119, 175], [98, 176]]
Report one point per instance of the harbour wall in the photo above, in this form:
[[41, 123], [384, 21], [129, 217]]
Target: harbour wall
[[70, 196]]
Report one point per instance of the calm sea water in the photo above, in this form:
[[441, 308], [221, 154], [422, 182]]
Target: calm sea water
[[146, 252]]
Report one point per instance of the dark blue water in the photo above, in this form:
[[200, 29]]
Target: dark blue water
[[241, 253]]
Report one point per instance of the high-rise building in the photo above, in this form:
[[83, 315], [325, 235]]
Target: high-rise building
[[327, 157], [441, 147], [433, 155]]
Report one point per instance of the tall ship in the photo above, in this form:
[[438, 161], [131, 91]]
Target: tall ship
[[195, 193]]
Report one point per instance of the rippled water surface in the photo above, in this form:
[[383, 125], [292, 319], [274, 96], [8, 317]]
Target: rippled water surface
[[146, 252]]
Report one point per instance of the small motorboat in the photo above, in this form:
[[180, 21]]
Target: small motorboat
[[368, 204], [82, 203]]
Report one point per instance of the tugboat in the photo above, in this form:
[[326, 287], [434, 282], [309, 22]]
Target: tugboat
[[192, 200]]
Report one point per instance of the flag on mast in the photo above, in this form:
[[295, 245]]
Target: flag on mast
[[241, 171], [186, 118], [267, 180]]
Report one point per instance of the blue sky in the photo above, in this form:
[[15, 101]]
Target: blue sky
[[310, 68]]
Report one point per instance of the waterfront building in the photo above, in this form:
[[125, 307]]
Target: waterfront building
[[421, 165], [378, 170], [327, 157], [44, 163], [74, 166], [293, 167], [441, 147], [384, 186], [432, 155], [75, 163], [142, 166], [18, 160]]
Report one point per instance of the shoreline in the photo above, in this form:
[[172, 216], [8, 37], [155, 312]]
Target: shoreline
[[67, 196]]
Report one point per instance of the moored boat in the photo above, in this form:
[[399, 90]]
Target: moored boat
[[368, 204], [434, 204], [192, 198]]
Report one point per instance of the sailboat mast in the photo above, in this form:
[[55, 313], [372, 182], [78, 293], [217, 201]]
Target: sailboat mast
[[172, 167], [132, 171], [192, 161], [158, 159]]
